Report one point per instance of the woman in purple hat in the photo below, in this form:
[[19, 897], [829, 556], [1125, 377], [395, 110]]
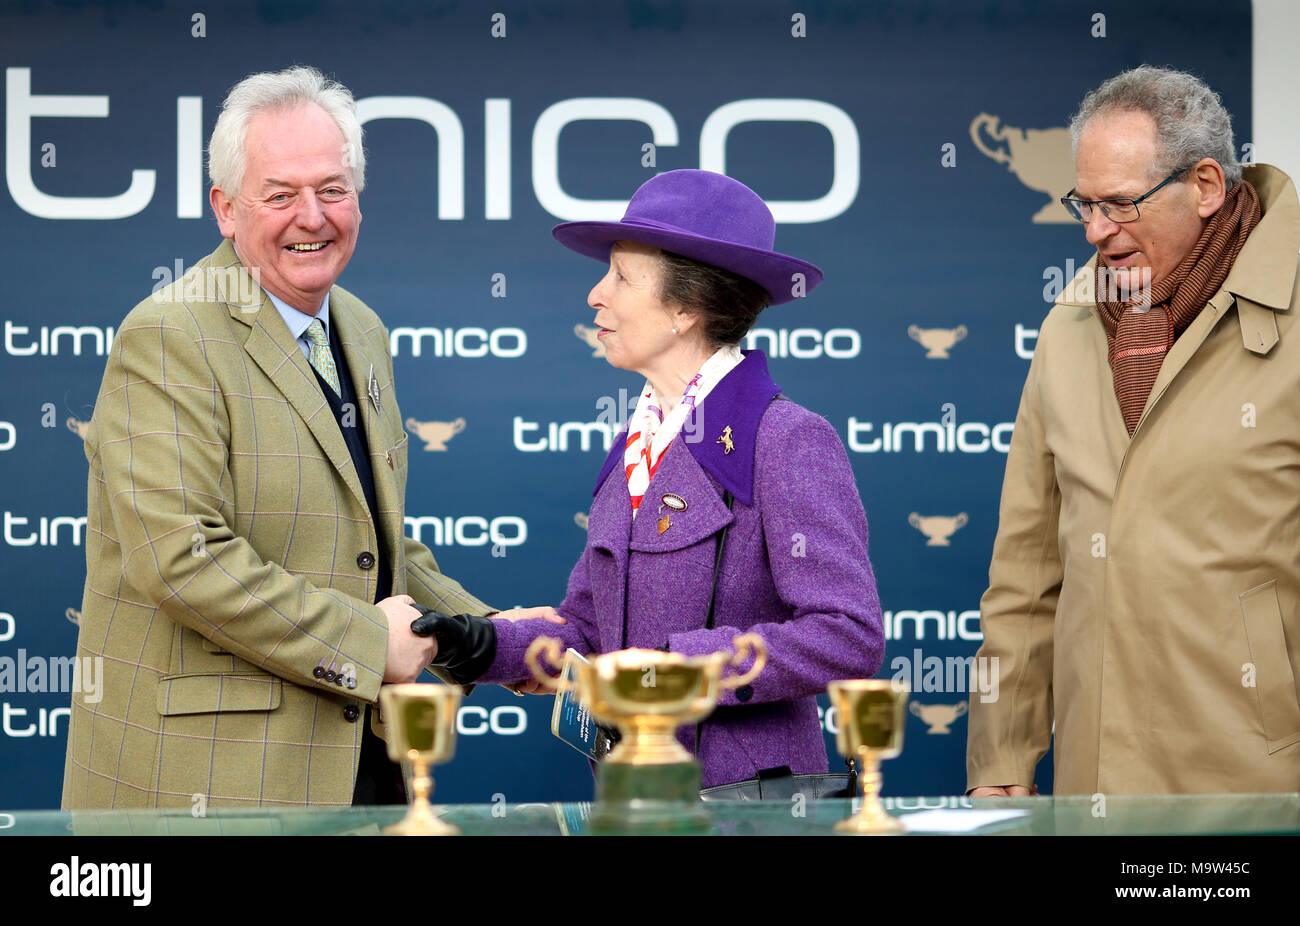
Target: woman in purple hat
[[724, 507]]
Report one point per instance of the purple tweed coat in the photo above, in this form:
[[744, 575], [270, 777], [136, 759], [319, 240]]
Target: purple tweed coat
[[794, 570]]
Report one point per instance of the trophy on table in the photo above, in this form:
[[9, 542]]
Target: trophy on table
[[648, 782], [872, 716], [420, 723]]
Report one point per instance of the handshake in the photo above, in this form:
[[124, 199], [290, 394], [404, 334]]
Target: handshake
[[462, 644]]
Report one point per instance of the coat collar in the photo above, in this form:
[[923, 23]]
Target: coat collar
[[1259, 284], [1264, 271], [737, 402]]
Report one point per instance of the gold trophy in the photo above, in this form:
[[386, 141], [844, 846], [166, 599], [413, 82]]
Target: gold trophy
[[649, 783], [420, 724], [872, 715]]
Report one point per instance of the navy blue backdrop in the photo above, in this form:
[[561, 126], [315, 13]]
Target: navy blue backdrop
[[915, 147]]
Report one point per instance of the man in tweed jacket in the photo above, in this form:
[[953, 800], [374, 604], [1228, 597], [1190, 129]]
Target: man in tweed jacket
[[249, 584]]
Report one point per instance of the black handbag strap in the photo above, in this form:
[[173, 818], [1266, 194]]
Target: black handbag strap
[[717, 561], [727, 499]]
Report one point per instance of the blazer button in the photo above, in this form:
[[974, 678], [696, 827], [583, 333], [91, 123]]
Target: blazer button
[[366, 560], [744, 693], [318, 672], [351, 713]]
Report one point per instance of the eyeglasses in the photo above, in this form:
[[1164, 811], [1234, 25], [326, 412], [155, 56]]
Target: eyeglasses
[[1116, 210]]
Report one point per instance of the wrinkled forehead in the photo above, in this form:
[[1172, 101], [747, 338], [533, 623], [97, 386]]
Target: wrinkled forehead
[[635, 256], [1117, 156], [302, 144]]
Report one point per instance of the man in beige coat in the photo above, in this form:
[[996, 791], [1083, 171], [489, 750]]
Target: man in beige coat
[[249, 585], [1144, 592]]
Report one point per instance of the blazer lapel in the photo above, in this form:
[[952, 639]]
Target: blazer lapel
[[274, 350], [381, 423]]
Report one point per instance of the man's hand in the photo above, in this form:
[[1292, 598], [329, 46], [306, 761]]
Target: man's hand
[[407, 654], [532, 685], [1005, 791]]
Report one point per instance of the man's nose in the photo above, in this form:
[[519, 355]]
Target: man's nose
[[310, 214], [1098, 228]]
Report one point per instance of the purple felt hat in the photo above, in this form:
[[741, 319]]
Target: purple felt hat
[[704, 216]]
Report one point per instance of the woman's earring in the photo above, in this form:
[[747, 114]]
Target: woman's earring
[[675, 331]]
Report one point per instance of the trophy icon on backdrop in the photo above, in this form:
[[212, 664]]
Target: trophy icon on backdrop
[[872, 716], [936, 341], [938, 528], [1042, 159], [649, 783], [435, 434], [938, 717], [420, 724], [588, 337]]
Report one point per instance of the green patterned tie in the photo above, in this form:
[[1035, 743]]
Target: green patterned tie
[[321, 358]]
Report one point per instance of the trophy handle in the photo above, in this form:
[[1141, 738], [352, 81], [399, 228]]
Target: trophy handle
[[551, 647], [746, 644], [991, 124]]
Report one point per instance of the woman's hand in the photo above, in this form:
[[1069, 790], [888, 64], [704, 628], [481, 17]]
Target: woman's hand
[[528, 614], [532, 685]]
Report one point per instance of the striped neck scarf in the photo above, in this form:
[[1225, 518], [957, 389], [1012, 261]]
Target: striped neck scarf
[[650, 432], [1138, 340]]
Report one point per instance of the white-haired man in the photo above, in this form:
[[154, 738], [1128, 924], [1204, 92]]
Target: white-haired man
[[249, 586], [1144, 593]]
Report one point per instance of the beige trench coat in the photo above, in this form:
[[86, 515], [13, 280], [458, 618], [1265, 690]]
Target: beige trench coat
[[1144, 593]]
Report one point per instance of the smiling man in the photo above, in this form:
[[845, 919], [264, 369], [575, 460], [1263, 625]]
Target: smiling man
[[249, 585], [1144, 593]]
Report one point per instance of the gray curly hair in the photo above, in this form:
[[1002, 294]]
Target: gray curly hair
[[270, 90], [1191, 122]]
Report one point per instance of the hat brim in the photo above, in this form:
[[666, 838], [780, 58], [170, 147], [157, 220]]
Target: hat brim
[[773, 271]]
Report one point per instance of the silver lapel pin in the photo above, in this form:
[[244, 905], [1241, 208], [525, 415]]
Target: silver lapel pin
[[372, 388]]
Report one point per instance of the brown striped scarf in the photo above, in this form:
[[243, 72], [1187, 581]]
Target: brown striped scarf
[[1138, 341]]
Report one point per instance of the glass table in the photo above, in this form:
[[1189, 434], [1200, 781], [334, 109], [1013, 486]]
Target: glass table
[[1182, 815]]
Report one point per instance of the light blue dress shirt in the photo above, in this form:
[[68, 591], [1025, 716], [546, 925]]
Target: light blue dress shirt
[[299, 322]]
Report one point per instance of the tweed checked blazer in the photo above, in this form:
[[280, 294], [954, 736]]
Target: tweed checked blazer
[[230, 551]]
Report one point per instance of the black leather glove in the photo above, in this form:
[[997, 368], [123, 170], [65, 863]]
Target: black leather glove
[[467, 643]]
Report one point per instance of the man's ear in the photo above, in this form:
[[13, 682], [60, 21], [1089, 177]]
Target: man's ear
[[1211, 187], [224, 209]]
